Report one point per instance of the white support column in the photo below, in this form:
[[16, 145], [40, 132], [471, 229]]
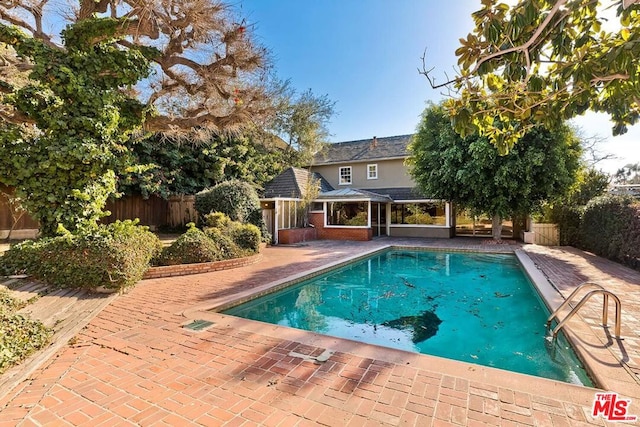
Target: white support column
[[275, 223], [325, 209], [447, 213]]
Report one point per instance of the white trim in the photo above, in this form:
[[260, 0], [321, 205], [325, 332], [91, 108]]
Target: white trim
[[419, 226], [340, 175], [346, 226], [376, 171], [349, 200]]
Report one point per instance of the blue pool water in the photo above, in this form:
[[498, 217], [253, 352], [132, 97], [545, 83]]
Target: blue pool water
[[473, 307]]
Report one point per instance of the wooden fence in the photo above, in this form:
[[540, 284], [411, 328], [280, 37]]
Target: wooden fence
[[181, 210], [151, 211], [546, 234], [154, 212]]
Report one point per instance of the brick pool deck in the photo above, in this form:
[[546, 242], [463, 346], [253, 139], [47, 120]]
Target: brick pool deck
[[134, 363]]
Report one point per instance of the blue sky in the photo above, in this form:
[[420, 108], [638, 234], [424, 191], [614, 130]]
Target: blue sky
[[365, 56]]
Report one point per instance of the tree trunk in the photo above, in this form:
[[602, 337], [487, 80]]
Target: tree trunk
[[496, 227]]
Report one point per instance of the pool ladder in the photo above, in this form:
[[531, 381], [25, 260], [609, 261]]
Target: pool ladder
[[598, 289]]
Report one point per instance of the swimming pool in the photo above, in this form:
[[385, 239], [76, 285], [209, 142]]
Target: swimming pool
[[473, 307]]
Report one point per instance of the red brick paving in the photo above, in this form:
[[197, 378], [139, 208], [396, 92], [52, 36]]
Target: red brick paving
[[135, 365]]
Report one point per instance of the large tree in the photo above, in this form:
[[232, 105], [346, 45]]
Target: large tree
[[301, 121], [118, 67], [164, 167], [628, 174], [545, 61], [469, 170]]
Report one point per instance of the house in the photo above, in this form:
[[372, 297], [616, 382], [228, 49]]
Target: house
[[364, 190]]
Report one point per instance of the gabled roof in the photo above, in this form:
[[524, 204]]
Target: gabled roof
[[352, 193], [293, 183], [393, 147]]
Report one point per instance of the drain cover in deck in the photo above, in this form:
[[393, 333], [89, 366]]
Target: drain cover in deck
[[198, 325]]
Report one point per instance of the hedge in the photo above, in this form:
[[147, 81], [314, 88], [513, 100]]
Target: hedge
[[221, 239], [610, 227], [110, 257]]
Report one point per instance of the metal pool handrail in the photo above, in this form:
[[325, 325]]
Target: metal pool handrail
[[599, 290]]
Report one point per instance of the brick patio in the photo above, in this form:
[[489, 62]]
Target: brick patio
[[135, 365]]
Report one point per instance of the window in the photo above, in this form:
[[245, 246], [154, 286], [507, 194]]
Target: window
[[429, 213], [372, 171], [345, 175], [288, 214], [354, 214], [317, 206]]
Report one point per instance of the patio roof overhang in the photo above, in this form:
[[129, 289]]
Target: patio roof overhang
[[353, 195]]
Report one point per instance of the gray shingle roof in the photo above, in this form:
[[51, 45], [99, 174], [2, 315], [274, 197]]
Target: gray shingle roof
[[363, 150], [400, 193], [292, 183], [352, 193]]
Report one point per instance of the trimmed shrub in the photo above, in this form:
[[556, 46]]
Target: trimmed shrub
[[611, 228], [236, 238], [113, 257], [217, 220], [237, 199], [192, 247], [246, 236], [228, 248]]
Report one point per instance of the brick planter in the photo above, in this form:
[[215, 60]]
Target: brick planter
[[296, 235], [202, 267], [339, 233]]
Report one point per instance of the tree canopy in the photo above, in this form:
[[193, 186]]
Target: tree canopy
[[545, 61], [470, 171], [301, 120], [164, 167], [205, 70], [71, 103], [628, 174]]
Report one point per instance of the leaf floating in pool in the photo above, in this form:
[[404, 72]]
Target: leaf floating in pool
[[501, 295], [407, 283], [424, 325]]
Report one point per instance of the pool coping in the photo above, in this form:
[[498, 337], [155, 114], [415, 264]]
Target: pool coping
[[602, 365]]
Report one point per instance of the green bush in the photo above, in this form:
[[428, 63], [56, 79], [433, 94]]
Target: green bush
[[246, 236], [610, 228], [113, 257], [228, 248], [192, 247], [236, 199], [568, 218], [217, 220]]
